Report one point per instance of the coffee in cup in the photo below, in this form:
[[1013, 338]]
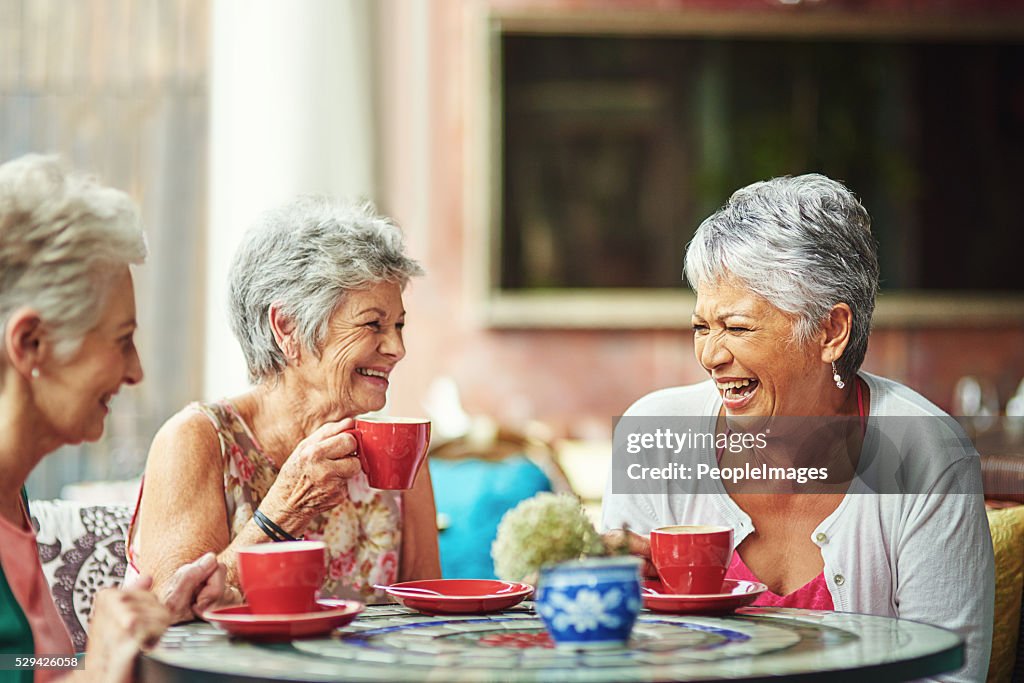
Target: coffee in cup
[[282, 578], [391, 449], [692, 560]]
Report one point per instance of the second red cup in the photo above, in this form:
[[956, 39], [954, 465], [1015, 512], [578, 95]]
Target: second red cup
[[692, 560], [282, 578]]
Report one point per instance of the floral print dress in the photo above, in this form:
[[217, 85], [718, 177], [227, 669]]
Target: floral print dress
[[363, 532]]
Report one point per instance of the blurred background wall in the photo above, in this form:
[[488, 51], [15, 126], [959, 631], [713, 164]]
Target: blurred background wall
[[208, 112], [576, 379]]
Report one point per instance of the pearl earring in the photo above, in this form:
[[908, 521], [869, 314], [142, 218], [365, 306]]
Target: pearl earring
[[35, 373], [836, 378]]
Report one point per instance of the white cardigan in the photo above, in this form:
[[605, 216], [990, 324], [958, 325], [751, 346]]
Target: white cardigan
[[923, 556]]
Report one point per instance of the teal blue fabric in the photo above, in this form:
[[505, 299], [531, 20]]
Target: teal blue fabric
[[15, 633], [474, 494]]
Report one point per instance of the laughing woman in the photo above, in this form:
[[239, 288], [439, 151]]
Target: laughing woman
[[68, 310], [316, 304], [786, 276]]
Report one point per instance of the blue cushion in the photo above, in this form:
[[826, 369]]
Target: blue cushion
[[473, 495]]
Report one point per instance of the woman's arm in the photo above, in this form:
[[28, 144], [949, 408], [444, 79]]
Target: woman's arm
[[945, 567], [183, 512], [420, 557]]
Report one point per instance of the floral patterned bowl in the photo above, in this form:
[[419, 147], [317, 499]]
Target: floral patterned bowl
[[590, 604]]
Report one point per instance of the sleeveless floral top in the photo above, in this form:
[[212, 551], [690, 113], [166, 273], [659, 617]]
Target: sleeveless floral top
[[363, 532]]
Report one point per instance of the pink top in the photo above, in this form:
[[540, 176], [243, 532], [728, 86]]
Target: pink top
[[812, 595], [19, 558]]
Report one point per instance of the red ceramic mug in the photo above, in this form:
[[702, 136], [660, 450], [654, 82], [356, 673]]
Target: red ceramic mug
[[391, 449], [692, 560], [282, 578]]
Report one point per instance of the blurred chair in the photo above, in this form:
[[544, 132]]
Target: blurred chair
[[477, 479], [1007, 527], [81, 548], [1002, 471]]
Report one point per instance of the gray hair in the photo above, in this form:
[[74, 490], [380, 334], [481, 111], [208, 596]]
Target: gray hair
[[63, 237], [305, 257], [803, 243]]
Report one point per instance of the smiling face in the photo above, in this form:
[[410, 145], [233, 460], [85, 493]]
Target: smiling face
[[363, 345], [747, 346], [74, 394]]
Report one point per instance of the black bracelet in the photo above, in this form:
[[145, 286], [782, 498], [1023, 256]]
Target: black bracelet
[[272, 530], [261, 522]]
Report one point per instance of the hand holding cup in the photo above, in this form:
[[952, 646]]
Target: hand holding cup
[[624, 541], [315, 476]]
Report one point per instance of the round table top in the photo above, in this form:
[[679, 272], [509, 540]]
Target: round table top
[[396, 644]]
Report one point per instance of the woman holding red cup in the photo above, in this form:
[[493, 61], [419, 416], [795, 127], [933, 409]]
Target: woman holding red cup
[[316, 304]]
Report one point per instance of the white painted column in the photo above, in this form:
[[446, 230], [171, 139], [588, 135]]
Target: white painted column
[[291, 112]]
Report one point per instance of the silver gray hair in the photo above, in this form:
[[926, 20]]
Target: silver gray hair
[[305, 257], [63, 238], [804, 244]]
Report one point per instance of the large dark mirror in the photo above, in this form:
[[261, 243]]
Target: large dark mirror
[[615, 148]]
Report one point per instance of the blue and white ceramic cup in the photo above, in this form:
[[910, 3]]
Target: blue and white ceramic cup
[[590, 604]]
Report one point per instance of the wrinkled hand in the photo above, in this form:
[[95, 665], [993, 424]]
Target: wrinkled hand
[[194, 588], [314, 477], [123, 623], [619, 540]]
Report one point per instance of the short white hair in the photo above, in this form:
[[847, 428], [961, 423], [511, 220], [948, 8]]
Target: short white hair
[[305, 257], [63, 239], [802, 243]]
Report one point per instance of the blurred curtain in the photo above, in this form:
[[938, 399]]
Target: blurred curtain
[[120, 89]]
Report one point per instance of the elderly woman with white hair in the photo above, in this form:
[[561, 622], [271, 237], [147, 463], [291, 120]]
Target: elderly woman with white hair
[[316, 303], [786, 276], [68, 309]]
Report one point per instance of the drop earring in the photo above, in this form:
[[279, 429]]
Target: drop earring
[[836, 378]]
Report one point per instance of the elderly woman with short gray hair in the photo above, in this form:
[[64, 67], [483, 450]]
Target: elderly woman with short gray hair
[[786, 276], [316, 303]]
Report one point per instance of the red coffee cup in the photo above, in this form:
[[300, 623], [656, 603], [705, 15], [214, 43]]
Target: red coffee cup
[[692, 560], [391, 449], [282, 578]]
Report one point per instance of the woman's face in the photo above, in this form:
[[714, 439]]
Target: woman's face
[[747, 346], [74, 394], [363, 345]]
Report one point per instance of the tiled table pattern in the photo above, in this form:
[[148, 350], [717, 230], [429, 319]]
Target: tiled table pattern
[[396, 644]]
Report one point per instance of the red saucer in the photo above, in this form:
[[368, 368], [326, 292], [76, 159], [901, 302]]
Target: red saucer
[[735, 594], [238, 620], [459, 596]]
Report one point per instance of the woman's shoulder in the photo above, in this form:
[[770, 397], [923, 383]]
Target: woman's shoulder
[[890, 398], [221, 414], [916, 433], [691, 399], [196, 427]]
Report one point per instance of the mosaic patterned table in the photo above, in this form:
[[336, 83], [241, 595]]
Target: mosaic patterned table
[[390, 643]]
